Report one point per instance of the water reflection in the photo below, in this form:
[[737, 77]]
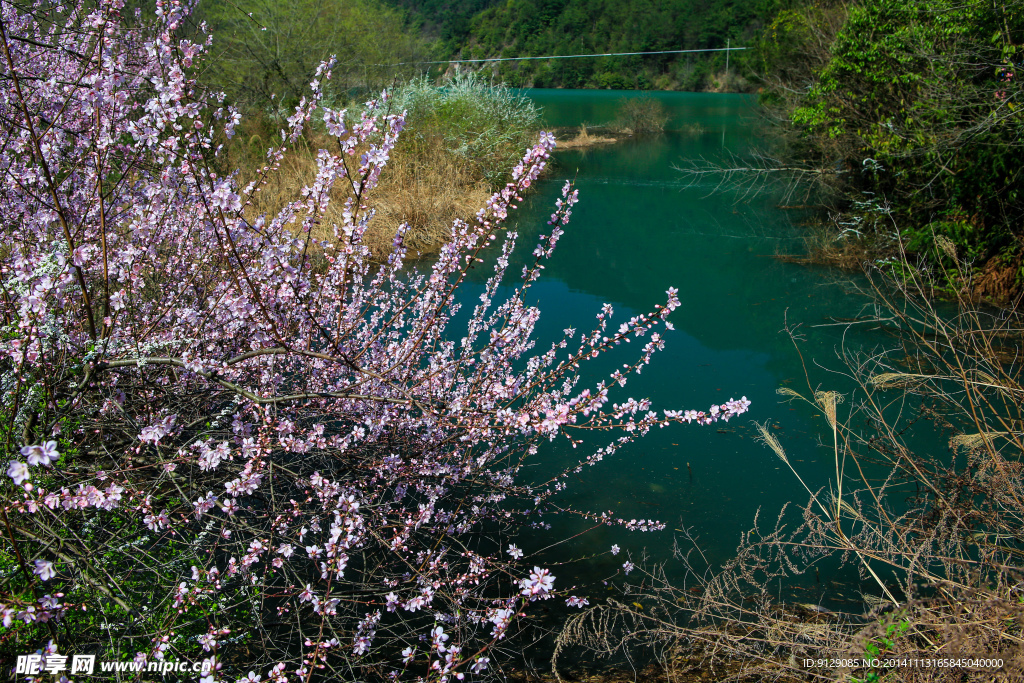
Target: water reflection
[[641, 227]]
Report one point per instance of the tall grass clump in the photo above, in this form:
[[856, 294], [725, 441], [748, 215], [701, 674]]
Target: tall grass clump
[[484, 124], [936, 535]]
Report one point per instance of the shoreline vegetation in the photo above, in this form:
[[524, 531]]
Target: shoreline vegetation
[[905, 119], [459, 146], [461, 143], [936, 537]]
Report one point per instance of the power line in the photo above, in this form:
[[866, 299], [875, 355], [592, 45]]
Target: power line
[[602, 54]]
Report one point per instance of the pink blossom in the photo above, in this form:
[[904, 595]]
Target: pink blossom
[[540, 583], [18, 472], [44, 570], [43, 454], [345, 405]]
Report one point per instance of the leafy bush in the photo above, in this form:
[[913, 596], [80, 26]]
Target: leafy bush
[[640, 115], [918, 104]]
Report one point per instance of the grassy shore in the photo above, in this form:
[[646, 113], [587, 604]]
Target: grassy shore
[[461, 143]]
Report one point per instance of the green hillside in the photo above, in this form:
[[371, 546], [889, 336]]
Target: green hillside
[[519, 28], [265, 52], [446, 20]]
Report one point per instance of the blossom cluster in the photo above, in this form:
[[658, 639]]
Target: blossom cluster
[[235, 436]]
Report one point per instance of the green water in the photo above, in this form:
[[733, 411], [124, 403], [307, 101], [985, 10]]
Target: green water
[[641, 227]]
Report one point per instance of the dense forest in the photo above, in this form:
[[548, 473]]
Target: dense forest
[[531, 28], [447, 20], [271, 49]]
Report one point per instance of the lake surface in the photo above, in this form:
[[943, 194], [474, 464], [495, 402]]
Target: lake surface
[[641, 227]]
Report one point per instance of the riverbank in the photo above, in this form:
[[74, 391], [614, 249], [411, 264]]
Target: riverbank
[[459, 146], [425, 186], [908, 117], [995, 282]]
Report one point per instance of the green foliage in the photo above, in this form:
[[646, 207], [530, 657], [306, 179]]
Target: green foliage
[[267, 54], [893, 628], [917, 103], [446, 20], [517, 28], [795, 46], [964, 235]]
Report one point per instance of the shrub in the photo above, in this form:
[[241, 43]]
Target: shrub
[[912, 103], [484, 124], [640, 115]]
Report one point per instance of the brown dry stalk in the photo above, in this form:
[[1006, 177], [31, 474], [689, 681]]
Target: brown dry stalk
[[951, 556]]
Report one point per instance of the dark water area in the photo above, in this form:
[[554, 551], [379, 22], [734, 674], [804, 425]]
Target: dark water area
[[641, 227]]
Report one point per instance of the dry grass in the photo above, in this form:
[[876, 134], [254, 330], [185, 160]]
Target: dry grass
[[461, 142], [428, 188], [826, 243], [584, 140], [727, 82], [936, 535], [423, 184]]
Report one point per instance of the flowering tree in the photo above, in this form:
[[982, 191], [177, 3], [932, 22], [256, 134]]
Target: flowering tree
[[229, 441]]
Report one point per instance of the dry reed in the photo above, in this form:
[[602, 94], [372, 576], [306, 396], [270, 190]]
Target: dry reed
[[944, 568], [425, 186], [460, 144], [583, 140]]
